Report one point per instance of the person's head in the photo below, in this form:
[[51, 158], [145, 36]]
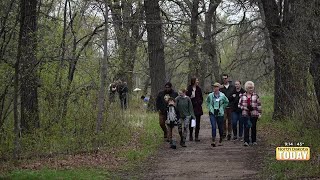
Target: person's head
[[171, 101], [225, 78], [216, 87], [249, 86], [182, 92], [168, 87], [194, 81], [237, 84]]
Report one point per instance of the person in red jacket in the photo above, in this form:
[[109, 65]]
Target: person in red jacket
[[250, 105]]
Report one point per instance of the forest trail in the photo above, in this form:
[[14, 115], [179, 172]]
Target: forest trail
[[201, 161]]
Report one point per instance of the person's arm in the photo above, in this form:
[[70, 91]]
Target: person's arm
[[232, 96], [177, 113], [177, 102], [189, 91], [225, 101], [191, 108], [158, 102], [201, 96], [208, 101], [240, 103], [259, 105]]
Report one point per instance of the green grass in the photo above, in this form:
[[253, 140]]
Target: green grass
[[288, 130], [48, 174], [135, 135], [150, 139]]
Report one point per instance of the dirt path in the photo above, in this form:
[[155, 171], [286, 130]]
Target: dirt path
[[201, 161]]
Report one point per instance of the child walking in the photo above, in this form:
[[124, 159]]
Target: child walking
[[185, 108], [172, 121]]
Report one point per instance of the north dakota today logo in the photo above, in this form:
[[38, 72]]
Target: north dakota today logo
[[293, 153]]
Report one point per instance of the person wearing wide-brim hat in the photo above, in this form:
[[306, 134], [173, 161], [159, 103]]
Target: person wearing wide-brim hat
[[216, 102]]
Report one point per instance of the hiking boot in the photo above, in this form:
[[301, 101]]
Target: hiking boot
[[229, 137], [190, 138], [241, 139], [183, 144], [245, 144], [173, 144], [254, 143], [165, 135]]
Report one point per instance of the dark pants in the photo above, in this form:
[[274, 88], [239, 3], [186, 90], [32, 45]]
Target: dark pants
[[162, 122], [197, 129], [124, 103], [227, 121], [214, 121], [236, 116], [247, 128]]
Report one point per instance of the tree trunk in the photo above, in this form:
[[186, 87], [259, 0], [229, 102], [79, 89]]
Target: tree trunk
[[103, 71], [28, 65], [209, 44], [155, 47], [16, 150], [289, 68], [194, 64], [122, 15], [314, 70]]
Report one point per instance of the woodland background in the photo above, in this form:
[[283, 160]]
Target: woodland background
[[58, 57]]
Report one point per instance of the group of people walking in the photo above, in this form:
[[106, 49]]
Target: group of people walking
[[122, 89], [231, 108]]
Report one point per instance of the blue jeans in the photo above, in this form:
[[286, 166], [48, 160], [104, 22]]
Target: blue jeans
[[214, 121], [236, 116]]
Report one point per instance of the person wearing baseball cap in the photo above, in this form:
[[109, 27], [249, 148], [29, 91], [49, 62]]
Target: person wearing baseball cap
[[216, 102]]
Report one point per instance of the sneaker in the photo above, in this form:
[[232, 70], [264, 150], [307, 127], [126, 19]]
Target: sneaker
[[229, 137], [173, 145], [213, 144], [190, 138], [183, 144], [254, 143], [245, 144], [241, 139]]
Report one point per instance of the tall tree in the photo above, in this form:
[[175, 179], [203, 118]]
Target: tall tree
[[155, 46], [209, 44], [315, 63], [127, 22], [194, 64], [285, 29], [27, 63], [103, 71]]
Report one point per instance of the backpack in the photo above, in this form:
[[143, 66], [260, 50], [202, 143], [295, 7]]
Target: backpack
[[171, 116]]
